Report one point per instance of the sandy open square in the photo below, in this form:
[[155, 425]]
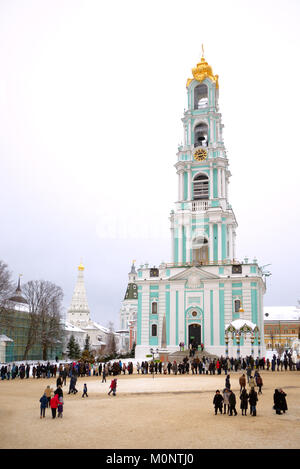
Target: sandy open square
[[164, 412]]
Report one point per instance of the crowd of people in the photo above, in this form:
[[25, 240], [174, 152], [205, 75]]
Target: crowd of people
[[51, 370], [212, 366], [228, 397], [224, 402], [193, 365]]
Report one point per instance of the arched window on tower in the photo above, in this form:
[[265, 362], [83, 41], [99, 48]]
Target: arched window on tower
[[200, 96], [200, 187], [154, 307], [201, 135], [237, 305], [154, 330], [200, 250]]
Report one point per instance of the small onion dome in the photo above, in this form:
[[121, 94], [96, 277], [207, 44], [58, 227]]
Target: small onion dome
[[80, 267], [202, 71]]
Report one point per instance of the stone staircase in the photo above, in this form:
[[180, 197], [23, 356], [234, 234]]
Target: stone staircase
[[180, 355]]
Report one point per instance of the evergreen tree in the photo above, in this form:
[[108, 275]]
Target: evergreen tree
[[87, 355], [132, 351], [73, 349]]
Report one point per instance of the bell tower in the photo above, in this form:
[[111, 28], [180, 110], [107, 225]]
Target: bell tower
[[203, 224]]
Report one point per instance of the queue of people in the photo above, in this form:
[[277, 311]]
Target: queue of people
[[247, 399]]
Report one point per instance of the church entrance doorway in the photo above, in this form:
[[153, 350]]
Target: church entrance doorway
[[194, 335]]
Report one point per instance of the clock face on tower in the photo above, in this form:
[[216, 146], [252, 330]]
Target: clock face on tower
[[200, 154]]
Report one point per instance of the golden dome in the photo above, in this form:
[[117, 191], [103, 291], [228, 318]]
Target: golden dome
[[202, 71], [80, 267]]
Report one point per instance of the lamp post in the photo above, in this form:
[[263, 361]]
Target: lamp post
[[238, 345], [252, 345], [226, 342], [258, 341]]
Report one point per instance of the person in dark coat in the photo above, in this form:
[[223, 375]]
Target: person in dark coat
[[59, 391], [244, 401], [227, 382], [277, 402], [84, 391], [242, 382], [232, 403], [218, 402], [283, 403], [252, 402], [44, 405], [259, 383], [59, 382]]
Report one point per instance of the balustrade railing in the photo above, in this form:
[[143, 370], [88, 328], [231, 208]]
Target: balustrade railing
[[200, 205]]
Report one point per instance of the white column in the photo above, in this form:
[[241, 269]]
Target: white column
[[211, 182], [233, 245], [226, 186], [180, 184], [172, 245], [211, 242], [179, 242], [189, 191], [181, 192], [223, 183], [219, 183], [145, 315], [211, 131], [230, 242], [173, 317], [220, 241], [188, 242]]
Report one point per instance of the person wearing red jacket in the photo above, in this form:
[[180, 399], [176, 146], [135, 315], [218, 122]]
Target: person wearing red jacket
[[54, 405], [113, 387]]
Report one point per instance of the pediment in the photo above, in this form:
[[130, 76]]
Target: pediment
[[193, 273]]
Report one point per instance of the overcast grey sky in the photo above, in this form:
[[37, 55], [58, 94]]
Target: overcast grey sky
[[91, 100]]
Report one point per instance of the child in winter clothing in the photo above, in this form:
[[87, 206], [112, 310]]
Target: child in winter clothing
[[44, 405], [218, 402], [84, 391], [226, 394], [113, 387], [60, 407]]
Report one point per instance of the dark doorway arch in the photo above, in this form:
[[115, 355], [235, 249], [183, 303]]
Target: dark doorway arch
[[195, 335]]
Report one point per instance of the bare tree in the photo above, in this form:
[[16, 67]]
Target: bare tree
[[6, 291], [45, 304], [280, 350], [111, 346]]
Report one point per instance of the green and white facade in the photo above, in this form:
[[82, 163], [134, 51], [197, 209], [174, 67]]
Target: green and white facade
[[204, 288]]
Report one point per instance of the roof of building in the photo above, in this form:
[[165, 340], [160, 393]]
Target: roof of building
[[71, 328], [95, 325], [131, 292], [288, 313], [4, 338], [18, 298], [240, 324]]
